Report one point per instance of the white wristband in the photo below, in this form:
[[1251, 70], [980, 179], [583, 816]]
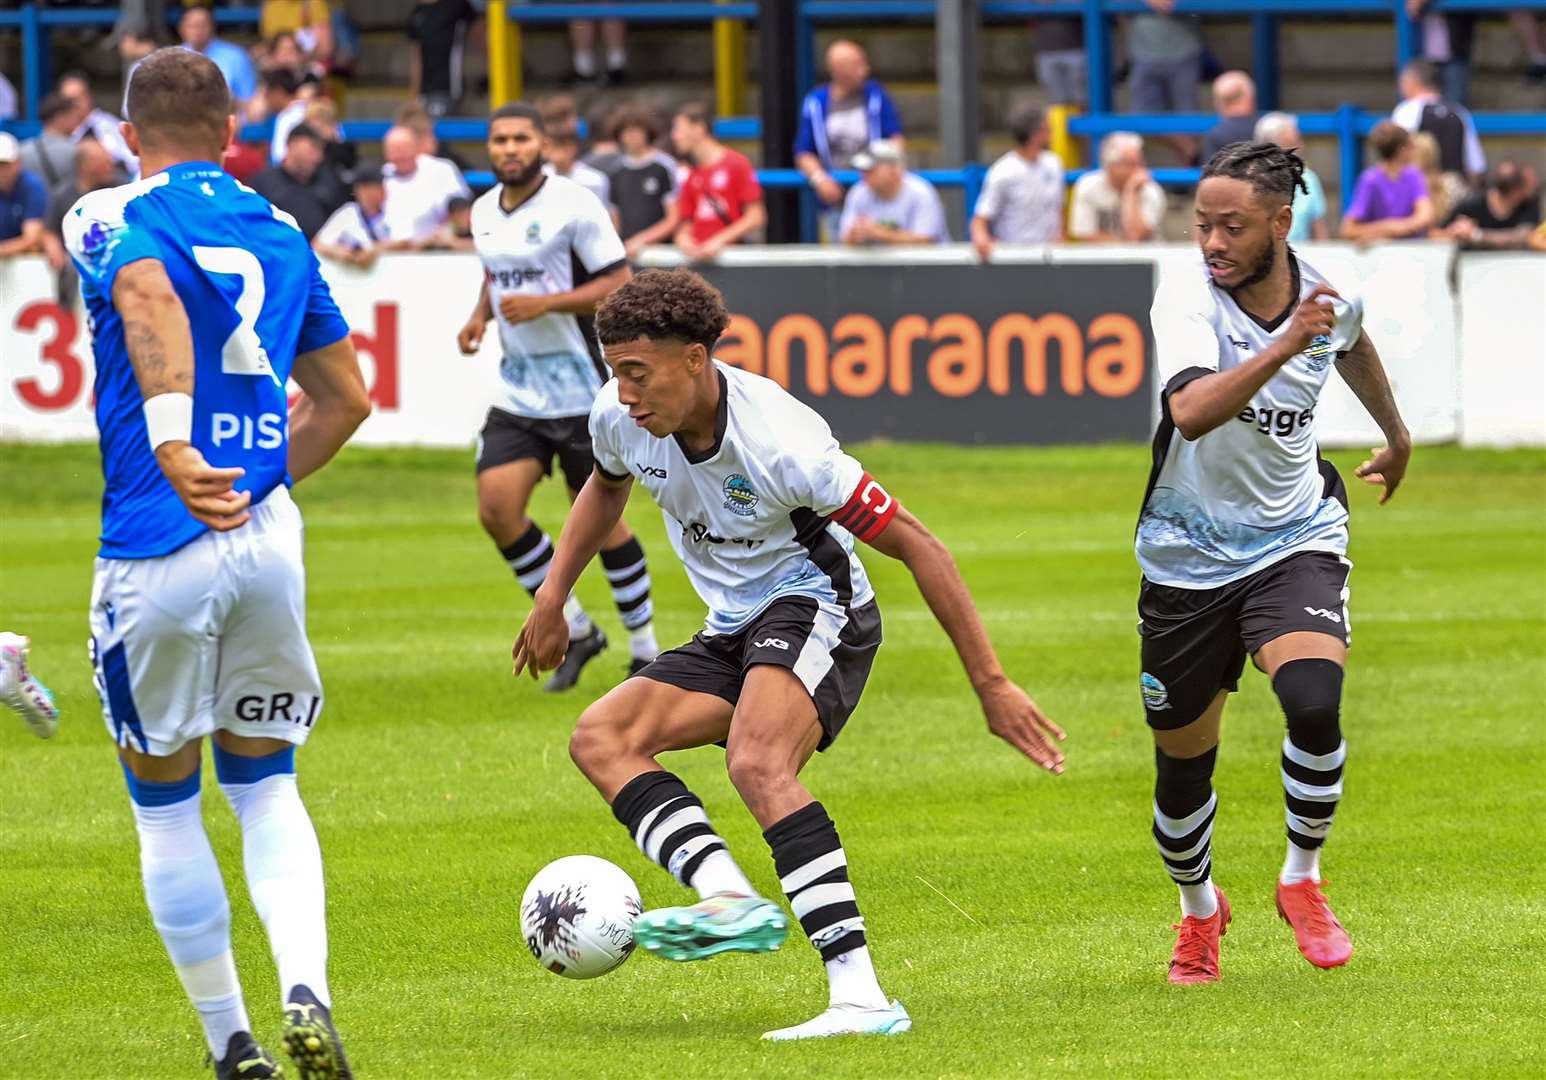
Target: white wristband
[[168, 418]]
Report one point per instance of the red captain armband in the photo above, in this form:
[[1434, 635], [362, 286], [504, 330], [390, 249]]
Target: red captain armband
[[867, 514]]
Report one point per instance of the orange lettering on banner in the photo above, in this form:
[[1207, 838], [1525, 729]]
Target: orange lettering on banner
[[907, 330], [382, 348], [813, 341], [1034, 336], [741, 345], [59, 351], [859, 364], [955, 369], [1115, 368]]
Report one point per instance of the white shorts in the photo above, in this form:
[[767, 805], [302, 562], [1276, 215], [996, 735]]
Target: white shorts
[[211, 637]]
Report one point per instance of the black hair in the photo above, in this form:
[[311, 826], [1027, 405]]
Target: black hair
[[1024, 122], [1271, 170], [519, 110], [663, 305], [304, 130]]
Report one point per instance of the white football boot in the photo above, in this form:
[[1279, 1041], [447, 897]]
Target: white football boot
[[21, 691], [848, 1020]]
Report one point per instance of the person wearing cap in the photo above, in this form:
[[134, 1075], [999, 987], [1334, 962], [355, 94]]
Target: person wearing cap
[[23, 203], [891, 205], [357, 231]]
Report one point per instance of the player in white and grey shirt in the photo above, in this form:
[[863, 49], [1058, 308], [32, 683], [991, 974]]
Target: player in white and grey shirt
[[1243, 536], [1022, 195], [550, 255], [764, 508]]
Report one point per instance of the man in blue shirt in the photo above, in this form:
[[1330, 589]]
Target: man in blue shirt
[[23, 202], [197, 30], [204, 301], [838, 120]]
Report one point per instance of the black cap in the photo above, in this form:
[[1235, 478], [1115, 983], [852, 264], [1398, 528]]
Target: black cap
[[367, 174]]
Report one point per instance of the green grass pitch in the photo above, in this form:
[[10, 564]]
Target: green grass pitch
[[1023, 919]]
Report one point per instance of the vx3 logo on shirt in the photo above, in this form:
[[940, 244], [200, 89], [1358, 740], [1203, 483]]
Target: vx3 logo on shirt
[[650, 470], [1237, 343], [771, 643]]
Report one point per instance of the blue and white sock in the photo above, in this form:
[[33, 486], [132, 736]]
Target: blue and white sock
[[283, 863], [188, 904]]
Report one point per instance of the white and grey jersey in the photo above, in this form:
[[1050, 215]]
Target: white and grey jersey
[[559, 238], [754, 517], [1254, 490]]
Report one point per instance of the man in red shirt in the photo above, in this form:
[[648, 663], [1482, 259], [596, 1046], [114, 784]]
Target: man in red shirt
[[721, 200]]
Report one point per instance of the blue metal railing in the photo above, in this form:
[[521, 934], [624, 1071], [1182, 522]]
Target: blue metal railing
[[32, 20]]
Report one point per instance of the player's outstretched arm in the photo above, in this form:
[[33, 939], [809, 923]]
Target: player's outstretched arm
[[543, 640], [1205, 403], [160, 345], [334, 404], [1361, 369], [1011, 713]]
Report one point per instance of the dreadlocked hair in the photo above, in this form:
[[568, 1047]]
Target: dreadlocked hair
[[1270, 169]]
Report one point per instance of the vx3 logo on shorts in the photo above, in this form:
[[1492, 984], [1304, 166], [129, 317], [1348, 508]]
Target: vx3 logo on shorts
[[771, 643], [650, 470], [1324, 613]]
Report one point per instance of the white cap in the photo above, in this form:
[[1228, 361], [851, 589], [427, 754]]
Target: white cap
[[10, 149], [878, 152]]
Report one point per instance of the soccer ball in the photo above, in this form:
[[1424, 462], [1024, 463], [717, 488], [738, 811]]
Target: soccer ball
[[577, 916]]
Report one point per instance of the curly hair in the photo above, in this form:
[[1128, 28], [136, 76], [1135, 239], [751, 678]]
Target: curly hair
[[663, 305], [1270, 169]]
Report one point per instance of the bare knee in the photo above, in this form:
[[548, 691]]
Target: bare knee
[[756, 774], [503, 524], [595, 740]]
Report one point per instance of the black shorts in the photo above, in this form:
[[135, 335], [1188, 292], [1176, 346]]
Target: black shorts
[[829, 655], [506, 437], [1195, 641]]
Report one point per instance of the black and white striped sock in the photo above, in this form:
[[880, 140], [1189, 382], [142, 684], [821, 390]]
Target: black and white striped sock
[[629, 576], [813, 872], [668, 823], [529, 557], [1184, 807], [1314, 754]]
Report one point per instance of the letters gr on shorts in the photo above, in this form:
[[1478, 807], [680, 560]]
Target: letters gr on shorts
[[968, 354]]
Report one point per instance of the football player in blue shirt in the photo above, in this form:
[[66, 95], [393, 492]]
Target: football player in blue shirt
[[204, 300]]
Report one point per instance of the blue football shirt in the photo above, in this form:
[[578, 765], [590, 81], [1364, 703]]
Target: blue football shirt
[[255, 300]]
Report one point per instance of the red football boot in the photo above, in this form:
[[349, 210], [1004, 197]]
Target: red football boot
[[1196, 959], [1316, 930]]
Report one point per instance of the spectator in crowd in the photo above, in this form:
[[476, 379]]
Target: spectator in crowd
[[356, 233], [416, 118], [99, 123], [1309, 206], [311, 23], [582, 43], [321, 116], [1503, 215], [439, 28], [196, 27], [1165, 52], [419, 188], [840, 119], [284, 104], [644, 183], [456, 233], [1424, 108], [23, 203], [1445, 189], [299, 184], [1234, 99], [1062, 67], [561, 149], [721, 201], [51, 153], [1446, 39], [1391, 200], [9, 101], [891, 205], [1119, 203], [1538, 239], [92, 168], [1022, 196], [605, 153]]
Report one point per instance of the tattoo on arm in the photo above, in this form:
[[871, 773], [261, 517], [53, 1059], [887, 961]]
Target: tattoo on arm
[[1361, 369]]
